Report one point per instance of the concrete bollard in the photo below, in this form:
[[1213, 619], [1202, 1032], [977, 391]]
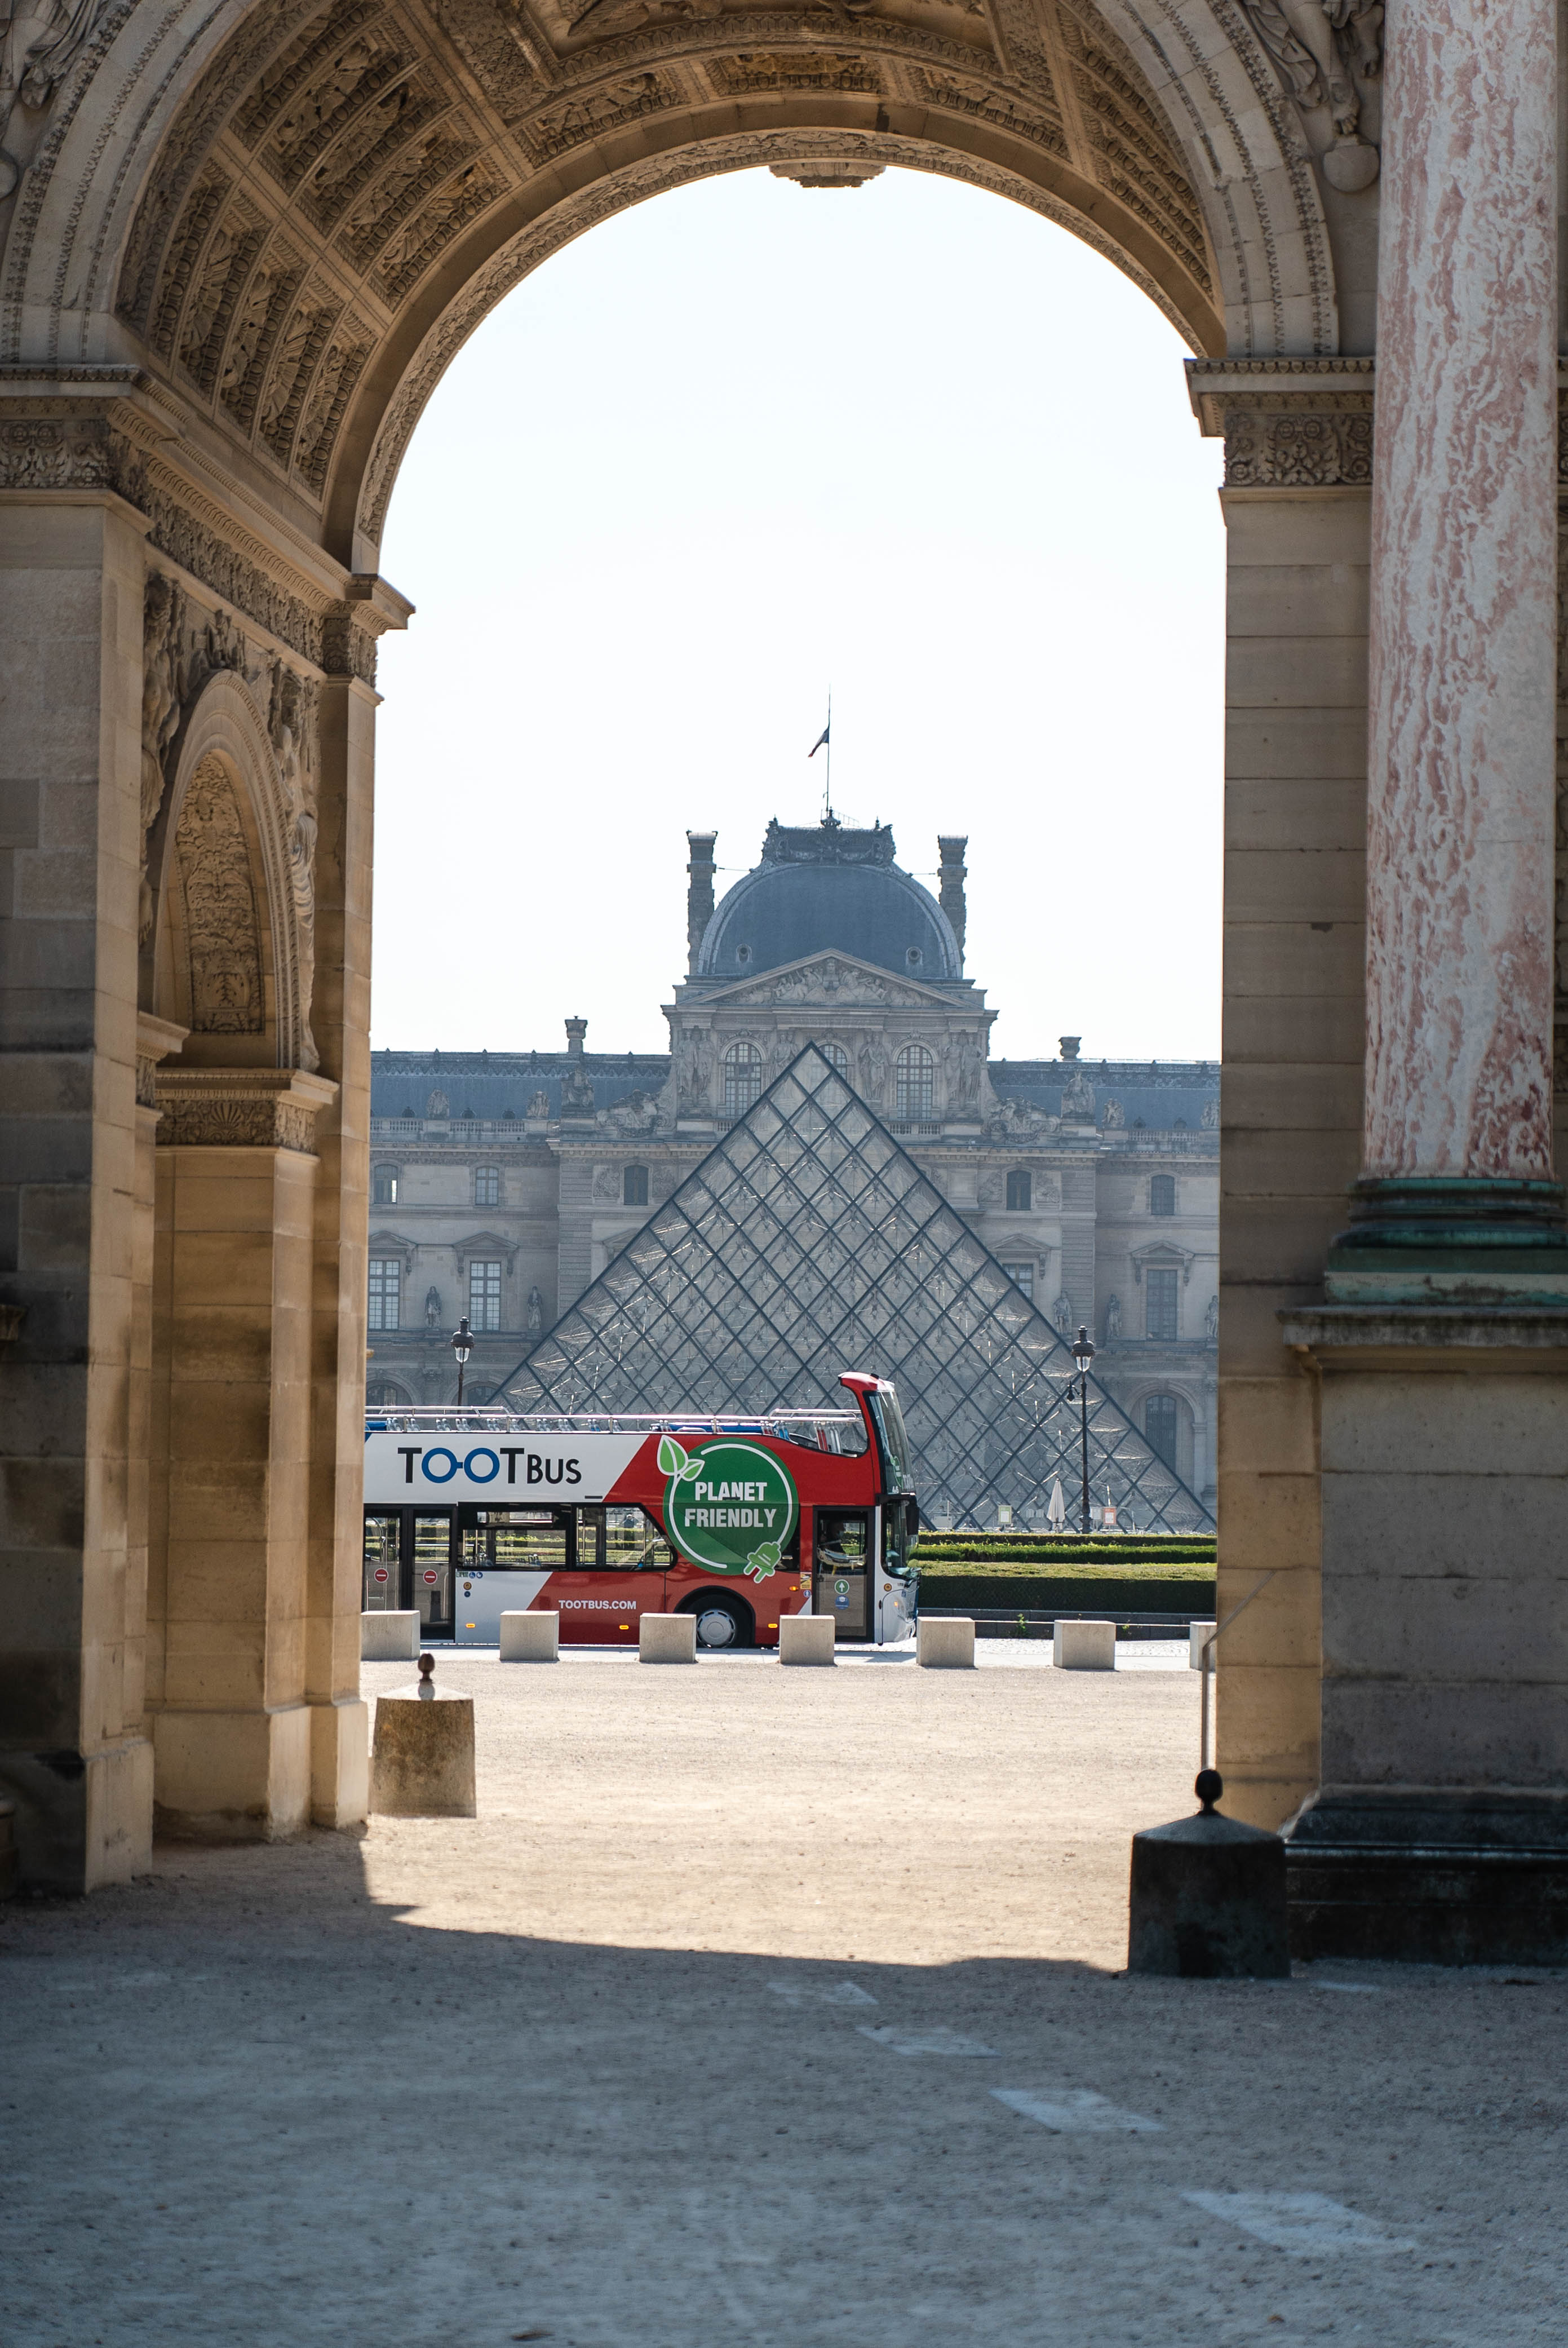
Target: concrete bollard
[[946, 1644], [667, 1639], [530, 1638], [1084, 1647], [1196, 1634], [807, 1639], [423, 1765], [388, 1637]]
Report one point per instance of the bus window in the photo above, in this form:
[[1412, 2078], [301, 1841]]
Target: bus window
[[634, 1542], [382, 1562], [529, 1540], [841, 1538], [891, 1440]]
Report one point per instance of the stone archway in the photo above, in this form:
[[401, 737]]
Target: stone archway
[[241, 244]]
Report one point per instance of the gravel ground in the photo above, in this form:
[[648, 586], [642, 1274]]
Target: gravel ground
[[757, 2006]]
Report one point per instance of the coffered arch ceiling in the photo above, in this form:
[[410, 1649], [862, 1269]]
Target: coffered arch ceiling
[[342, 192]]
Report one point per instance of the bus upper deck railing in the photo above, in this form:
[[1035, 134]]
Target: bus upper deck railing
[[841, 1431]]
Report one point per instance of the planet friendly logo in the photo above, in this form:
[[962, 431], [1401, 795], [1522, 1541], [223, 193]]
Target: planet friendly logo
[[730, 1506]]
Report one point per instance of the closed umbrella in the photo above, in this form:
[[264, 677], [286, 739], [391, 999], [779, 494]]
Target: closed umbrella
[[1056, 1515]]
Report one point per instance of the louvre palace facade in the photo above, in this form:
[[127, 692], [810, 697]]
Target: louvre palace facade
[[505, 1184]]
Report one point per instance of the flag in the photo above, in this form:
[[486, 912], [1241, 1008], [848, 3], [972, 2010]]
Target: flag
[[820, 739]]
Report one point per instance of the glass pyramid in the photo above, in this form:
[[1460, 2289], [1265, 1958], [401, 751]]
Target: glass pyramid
[[808, 1242]]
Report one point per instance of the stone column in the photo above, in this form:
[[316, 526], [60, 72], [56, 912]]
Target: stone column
[[1440, 1827], [228, 1597], [1457, 1198]]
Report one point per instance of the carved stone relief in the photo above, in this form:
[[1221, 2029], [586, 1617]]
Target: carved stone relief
[[39, 42], [291, 729], [220, 929], [1325, 50], [163, 628]]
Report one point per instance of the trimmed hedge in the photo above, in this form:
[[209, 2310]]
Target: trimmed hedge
[[1111, 1553], [1089, 1590]]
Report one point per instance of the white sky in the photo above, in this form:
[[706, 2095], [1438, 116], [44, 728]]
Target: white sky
[[748, 441]]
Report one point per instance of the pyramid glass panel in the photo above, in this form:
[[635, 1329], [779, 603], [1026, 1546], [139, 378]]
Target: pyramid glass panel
[[808, 1242]]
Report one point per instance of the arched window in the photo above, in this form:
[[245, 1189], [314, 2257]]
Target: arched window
[[1160, 1422], [1021, 1193], [486, 1186], [383, 1394], [634, 1186], [916, 1092], [837, 1055], [742, 1078], [1161, 1194], [384, 1185]]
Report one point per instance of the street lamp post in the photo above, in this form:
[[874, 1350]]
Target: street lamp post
[[1082, 1354], [463, 1345]]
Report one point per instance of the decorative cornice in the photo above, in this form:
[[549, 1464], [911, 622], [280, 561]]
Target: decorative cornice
[[1287, 423], [243, 1108]]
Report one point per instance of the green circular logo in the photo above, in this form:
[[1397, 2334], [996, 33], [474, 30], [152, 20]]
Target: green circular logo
[[729, 1505]]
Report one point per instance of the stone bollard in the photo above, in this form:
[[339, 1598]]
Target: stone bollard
[[530, 1638], [807, 1639], [946, 1644], [1196, 1634], [1208, 1897], [1084, 1647], [423, 1765], [385, 1638], [667, 1639]]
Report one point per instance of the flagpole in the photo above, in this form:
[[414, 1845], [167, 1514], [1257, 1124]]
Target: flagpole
[[828, 810]]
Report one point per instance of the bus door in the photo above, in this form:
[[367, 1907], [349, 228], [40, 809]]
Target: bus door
[[841, 1557], [617, 1575], [431, 1536], [382, 1560]]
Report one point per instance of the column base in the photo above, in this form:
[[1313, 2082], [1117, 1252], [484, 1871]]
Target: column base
[[1430, 1878], [1450, 1239], [232, 1776], [81, 1821], [340, 1762]]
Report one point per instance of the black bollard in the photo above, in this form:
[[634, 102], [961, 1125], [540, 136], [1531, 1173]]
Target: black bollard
[[1208, 1897]]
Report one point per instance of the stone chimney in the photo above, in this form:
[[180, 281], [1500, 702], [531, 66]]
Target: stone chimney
[[699, 892], [954, 874], [575, 1030]]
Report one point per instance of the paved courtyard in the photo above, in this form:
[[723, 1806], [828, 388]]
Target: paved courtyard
[[758, 2006]]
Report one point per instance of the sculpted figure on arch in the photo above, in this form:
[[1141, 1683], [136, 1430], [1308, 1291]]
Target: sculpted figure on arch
[[38, 41]]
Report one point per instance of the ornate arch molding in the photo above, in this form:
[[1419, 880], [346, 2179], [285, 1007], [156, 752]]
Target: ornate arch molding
[[225, 956], [282, 207]]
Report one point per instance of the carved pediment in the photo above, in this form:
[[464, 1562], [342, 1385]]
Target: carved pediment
[[828, 982]]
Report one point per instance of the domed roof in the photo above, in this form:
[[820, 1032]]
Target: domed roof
[[823, 888]]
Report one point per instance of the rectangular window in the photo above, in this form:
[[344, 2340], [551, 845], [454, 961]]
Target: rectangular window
[[1160, 1426], [383, 1187], [484, 1295], [634, 1187], [486, 1186], [386, 1291], [1161, 1286], [1022, 1278], [1161, 1194], [1021, 1193]]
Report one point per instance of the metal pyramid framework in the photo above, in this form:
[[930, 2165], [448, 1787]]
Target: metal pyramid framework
[[806, 1242]]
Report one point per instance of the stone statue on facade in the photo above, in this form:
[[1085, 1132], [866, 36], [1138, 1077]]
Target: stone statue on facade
[[538, 1105], [1212, 1321], [1112, 1319], [1211, 1115], [1320, 48], [1078, 1098], [163, 621], [536, 1313], [433, 1308], [1113, 1118], [437, 1106], [39, 42], [1061, 1314]]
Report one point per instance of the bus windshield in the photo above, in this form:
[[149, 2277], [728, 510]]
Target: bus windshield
[[892, 1442]]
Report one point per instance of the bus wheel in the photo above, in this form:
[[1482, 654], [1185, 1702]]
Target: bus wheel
[[720, 1625]]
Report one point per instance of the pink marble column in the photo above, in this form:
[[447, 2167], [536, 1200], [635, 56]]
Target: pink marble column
[[1464, 621]]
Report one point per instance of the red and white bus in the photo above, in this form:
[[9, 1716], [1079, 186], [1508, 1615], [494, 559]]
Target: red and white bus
[[603, 1518]]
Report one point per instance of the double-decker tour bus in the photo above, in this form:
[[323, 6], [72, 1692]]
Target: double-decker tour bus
[[602, 1517]]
